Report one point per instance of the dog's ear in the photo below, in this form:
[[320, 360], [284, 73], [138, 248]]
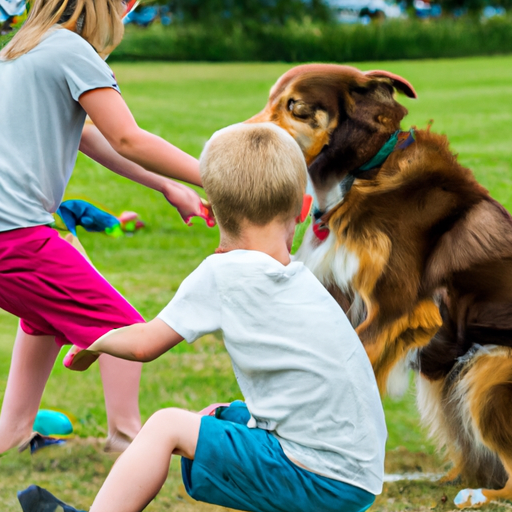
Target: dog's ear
[[473, 246], [398, 82]]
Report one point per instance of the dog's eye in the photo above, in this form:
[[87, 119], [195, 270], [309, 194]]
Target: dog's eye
[[299, 109]]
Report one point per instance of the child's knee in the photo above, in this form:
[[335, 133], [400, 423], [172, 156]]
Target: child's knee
[[165, 420], [163, 416], [177, 426]]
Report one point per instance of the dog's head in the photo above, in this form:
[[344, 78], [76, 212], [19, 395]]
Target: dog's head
[[339, 116]]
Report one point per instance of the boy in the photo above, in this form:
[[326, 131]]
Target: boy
[[311, 437]]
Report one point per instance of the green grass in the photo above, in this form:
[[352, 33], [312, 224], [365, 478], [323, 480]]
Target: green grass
[[470, 100]]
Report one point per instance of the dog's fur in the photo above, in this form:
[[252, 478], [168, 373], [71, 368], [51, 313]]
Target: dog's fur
[[418, 254]]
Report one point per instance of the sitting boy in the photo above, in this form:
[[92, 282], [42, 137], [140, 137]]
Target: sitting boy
[[311, 437]]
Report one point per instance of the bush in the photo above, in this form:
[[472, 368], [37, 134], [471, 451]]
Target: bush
[[306, 41]]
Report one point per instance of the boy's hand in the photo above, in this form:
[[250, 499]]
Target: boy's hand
[[79, 360]]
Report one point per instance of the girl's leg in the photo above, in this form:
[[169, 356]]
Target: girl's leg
[[121, 389], [142, 469], [32, 361]]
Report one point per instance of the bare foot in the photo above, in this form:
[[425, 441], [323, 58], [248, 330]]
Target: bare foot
[[117, 443]]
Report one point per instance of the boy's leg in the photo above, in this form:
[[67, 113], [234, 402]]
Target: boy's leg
[[121, 389], [142, 469], [32, 361]]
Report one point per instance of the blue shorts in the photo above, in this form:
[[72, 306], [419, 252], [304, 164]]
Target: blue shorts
[[246, 469]]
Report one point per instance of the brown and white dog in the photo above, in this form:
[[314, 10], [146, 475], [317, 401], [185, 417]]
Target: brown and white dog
[[416, 252]]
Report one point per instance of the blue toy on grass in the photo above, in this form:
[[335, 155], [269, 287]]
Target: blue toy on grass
[[53, 423]]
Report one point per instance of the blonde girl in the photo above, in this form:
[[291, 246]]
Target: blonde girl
[[55, 64]]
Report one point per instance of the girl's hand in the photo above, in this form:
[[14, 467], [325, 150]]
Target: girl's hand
[[79, 360], [188, 203]]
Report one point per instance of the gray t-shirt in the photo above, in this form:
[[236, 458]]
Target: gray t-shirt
[[41, 124], [300, 365]]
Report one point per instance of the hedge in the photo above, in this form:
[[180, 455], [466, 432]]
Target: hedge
[[303, 42], [391, 40]]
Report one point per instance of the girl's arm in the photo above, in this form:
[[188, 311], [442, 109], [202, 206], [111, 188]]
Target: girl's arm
[[184, 199], [137, 342], [111, 115]]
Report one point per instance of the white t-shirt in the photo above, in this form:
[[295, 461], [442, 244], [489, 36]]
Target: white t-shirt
[[41, 124], [299, 363]]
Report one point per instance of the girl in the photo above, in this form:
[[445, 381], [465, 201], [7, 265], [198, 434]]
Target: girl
[[54, 62]]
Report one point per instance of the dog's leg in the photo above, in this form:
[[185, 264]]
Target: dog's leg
[[429, 399], [475, 498], [506, 492], [452, 475], [489, 400], [387, 344]]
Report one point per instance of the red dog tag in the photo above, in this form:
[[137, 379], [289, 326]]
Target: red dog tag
[[321, 231]]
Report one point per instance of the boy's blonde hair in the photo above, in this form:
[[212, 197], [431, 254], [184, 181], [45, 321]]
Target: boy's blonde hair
[[255, 172], [99, 22]]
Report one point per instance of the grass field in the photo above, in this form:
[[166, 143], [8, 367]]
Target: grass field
[[470, 100]]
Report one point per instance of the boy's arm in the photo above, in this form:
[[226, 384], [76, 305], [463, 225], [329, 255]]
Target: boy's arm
[[138, 342]]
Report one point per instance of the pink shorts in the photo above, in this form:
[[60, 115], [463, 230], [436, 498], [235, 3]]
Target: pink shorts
[[55, 291]]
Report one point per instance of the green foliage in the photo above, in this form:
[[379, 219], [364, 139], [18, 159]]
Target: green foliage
[[306, 41], [7, 37], [247, 12]]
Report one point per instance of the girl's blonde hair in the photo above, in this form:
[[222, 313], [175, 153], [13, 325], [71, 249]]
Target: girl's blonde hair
[[255, 172], [98, 21]]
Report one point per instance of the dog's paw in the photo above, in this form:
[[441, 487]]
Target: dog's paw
[[473, 498], [451, 478]]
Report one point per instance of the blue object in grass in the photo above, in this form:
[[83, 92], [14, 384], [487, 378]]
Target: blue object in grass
[[52, 423], [38, 442], [77, 212], [37, 499]]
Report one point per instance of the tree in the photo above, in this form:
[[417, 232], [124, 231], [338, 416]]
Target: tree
[[248, 11]]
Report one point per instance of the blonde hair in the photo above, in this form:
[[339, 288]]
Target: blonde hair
[[98, 21], [255, 172]]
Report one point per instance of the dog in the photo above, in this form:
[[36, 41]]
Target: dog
[[416, 252]]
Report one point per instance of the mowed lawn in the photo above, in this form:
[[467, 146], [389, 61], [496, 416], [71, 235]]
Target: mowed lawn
[[470, 100]]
